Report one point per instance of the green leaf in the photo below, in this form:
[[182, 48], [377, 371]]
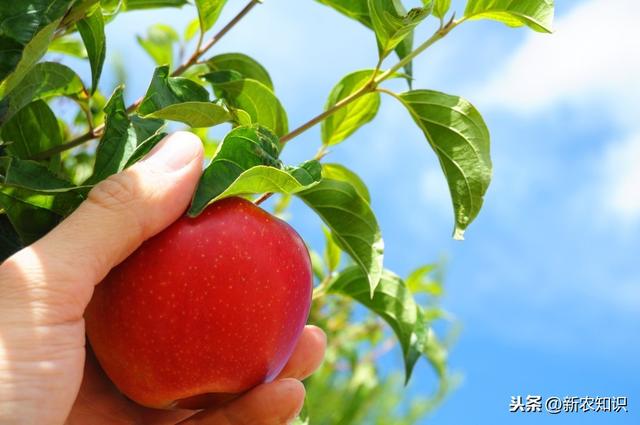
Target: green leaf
[[420, 280], [144, 128], [342, 173], [68, 46], [32, 130], [426, 343], [246, 66], [192, 29], [242, 149], [391, 24], [194, 114], [440, 8], [264, 179], [208, 12], [30, 221], [31, 175], [118, 141], [9, 239], [458, 135], [144, 148], [332, 252], [352, 223], [317, 265], [27, 28], [345, 121], [61, 204], [45, 80], [391, 300], [78, 167], [152, 4], [159, 43], [251, 96], [354, 9], [536, 14], [82, 8], [165, 91], [91, 30]]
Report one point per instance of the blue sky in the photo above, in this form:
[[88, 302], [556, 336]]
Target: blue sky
[[546, 284]]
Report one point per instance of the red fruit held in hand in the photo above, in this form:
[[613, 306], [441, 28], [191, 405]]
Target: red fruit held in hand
[[210, 307]]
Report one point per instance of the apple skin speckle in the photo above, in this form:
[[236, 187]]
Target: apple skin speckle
[[211, 306]]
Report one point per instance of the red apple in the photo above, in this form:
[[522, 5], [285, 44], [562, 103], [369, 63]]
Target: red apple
[[208, 308]]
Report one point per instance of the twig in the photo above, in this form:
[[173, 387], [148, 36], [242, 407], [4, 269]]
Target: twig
[[370, 87], [213, 40]]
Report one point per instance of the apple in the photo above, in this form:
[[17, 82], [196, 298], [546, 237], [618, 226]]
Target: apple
[[205, 310]]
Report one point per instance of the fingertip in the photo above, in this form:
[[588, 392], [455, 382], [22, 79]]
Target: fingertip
[[189, 140], [308, 354], [293, 392], [175, 152], [318, 335], [275, 403]]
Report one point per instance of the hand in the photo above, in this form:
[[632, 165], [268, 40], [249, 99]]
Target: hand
[[45, 288]]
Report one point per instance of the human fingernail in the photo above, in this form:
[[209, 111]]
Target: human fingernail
[[174, 152]]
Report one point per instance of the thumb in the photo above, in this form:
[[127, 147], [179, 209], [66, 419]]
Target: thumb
[[118, 215]]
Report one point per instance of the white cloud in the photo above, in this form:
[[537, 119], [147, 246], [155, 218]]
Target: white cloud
[[592, 54], [621, 179], [591, 64]]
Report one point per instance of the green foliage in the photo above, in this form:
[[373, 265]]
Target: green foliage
[[391, 24], [354, 9], [194, 114], [48, 163], [391, 301], [152, 4], [43, 81], [246, 66], [332, 252], [350, 380], [536, 14], [208, 12], [20, 173], [30, 214], [122, 135], [9, 239], [342, 173], [144, 148], [426, 279], [27, 30], [33, 129], [91, 29], [251, 96], [352, 223], [117, 143], [347, 120], [166, 91], [458, 135], [246, 163], [159, 43], [440, 8], [68, 46]]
